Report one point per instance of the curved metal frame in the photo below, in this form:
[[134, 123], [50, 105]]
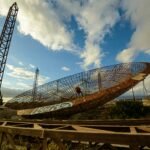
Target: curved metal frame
[[114, 81], [89, 82]]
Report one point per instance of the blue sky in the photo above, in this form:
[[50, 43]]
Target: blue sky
[[66, 37]]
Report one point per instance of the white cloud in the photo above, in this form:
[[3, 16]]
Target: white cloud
[[45, 23], [18, 72], [96, 18], [32, 66], [139, 89], [127, 55], [19, 79], [20, 63], [22, 73], [139, 14], [91, 55], [39, 20], [22, 85], [16, 84], [65, 68]]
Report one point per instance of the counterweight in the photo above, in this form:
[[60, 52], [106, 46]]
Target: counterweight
[[5, 40]]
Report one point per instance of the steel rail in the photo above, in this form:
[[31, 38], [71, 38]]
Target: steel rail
[[84, 122], [132, 135]]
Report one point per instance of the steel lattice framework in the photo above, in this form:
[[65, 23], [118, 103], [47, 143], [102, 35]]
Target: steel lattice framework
[[97, 87], [89, 82], [5, 40]]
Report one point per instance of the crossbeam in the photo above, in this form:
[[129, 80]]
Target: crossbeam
[[112, 134]]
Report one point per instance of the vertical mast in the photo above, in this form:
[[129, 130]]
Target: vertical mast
[[5, 40], [35, 84], [99, 81]]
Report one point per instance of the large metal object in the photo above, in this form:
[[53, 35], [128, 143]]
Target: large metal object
[[98, 86], [120, 122], [135, 136], [35, 84], [5, 39]]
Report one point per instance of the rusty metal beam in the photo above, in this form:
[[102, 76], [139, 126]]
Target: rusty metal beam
[[127, 122], [112, 134]]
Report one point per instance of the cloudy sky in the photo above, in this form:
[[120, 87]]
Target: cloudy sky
[[63, 37]]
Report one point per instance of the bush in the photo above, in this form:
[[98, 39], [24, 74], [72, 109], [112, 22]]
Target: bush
[[127, 109]]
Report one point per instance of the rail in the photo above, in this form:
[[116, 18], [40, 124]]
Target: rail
[[100, 132]]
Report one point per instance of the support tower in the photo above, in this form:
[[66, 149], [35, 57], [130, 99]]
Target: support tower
[[35, 84], [5, 40]]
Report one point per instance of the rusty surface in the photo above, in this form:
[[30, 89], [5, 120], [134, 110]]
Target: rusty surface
[[115, 80], [112, 134], [119, 122]]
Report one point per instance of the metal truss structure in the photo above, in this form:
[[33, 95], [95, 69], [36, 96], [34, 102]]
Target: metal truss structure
[[133, 134], [82, 91], [90, 82], [5, 40]]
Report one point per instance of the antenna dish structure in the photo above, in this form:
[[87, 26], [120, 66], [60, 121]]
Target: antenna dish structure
[[81, 91]]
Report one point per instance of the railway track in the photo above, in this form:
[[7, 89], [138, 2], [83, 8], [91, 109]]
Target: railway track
[[133, 133]]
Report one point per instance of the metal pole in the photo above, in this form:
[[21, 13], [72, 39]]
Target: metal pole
[[133, 94], [99, 81]]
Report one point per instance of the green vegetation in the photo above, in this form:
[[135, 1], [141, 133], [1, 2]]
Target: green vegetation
[[127, 109]]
